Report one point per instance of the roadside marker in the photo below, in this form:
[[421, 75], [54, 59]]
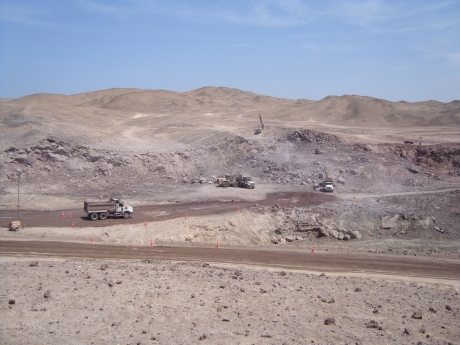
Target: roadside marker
[[151, 243], [186, 217], [145, 223], [73, 225], [70, 214], [63, 215], [92, 238], [313, 249], [218, 245]]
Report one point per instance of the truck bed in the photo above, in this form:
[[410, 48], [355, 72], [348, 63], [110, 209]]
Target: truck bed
[[93, 206]]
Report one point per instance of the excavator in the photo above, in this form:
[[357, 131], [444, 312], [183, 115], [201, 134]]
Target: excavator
[[260, 127], [328, 181]]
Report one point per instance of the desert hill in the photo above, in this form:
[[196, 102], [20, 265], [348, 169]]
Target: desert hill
[[340, 110]]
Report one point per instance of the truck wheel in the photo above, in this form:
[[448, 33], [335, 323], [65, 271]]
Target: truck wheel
[[93, 216], [103, 216], [126, 215]]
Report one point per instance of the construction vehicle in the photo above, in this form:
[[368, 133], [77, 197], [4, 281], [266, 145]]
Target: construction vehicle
[[328, 181], [260, 127], [226, 181], [222, 182], [235, 180], [245, 182], [101, 209]]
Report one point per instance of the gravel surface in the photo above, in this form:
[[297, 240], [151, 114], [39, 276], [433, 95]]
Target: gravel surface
[[145, 302]]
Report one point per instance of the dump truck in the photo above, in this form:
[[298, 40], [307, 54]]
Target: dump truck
[[102, 209], [245, 182]]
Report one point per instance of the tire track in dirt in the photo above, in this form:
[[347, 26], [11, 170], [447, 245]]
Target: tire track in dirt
[[304, 261]]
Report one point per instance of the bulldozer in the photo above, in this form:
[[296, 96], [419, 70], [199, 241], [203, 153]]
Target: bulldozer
[[260, 127]]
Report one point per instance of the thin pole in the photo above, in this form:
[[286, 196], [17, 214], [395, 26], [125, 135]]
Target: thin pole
[[19, 181]]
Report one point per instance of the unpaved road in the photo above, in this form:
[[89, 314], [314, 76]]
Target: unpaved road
[[292, 260], [159, 212]]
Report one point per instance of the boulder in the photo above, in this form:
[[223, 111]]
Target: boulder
[[275, 240], [341, 180], [417, 315], [329, 321], [289, 238], [372, 324], [336, 234], [357, 234], [55, 157], [326, 231]]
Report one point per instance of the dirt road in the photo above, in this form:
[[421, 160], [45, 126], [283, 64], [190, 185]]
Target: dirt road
[[159, 212], [292, 260]]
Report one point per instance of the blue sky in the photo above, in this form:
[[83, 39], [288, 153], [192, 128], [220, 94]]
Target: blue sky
[[395, 50]]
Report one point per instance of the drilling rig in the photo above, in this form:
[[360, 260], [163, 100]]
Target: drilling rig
[[260, 127]]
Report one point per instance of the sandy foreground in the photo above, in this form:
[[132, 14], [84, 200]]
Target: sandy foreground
[[145, 302]]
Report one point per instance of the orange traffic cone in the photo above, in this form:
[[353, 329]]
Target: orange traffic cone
[[63, 215], [70, 214], [218, 245], [151, 243], [238, 207], [313, 249], [73, 225], [145, 223], [186, 217], [92, 238]]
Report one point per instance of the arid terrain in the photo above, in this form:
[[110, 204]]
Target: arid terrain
[[396, 170]]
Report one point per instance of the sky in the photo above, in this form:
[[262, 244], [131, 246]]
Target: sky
[[297, 49]]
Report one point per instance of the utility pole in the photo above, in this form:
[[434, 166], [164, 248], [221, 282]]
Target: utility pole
[[19, 173]]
